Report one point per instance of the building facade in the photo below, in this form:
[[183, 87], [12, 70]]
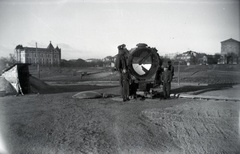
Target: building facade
[[230, 46], [171, 55], [230, 51], [49, 56], [189, 57]]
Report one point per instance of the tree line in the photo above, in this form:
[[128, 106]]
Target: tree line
[[212, 59], [80, 63]]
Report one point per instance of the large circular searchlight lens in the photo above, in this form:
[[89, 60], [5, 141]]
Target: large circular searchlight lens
[[143, 62]]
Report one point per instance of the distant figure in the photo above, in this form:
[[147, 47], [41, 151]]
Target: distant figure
[[122, 68], [166, 80], [170, 67]]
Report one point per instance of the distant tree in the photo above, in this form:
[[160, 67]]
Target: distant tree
[[3, 63], [64, 63], [80, 63], [164, 59], [210, 59], [109, 58], [12, 58], [19, 47], [75, 63], [106, 61], [216, 58], [230, 57], [97, 63], [6, 62], [194, 59], [197, 58]]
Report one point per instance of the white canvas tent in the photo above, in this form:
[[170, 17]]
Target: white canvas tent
[[18, 76], [6, 87], [12, 77]]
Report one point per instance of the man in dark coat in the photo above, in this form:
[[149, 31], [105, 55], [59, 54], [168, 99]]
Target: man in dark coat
[[157, 80], [170, 67], [122, 67], [166, 80]]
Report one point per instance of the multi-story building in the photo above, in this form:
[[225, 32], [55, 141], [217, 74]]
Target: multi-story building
[[230, 46], [49, 56], [230, 51]]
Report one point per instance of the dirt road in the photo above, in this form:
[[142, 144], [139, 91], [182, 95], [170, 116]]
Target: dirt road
[[57, 123]]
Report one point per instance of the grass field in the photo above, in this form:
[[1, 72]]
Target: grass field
[[210, 74]]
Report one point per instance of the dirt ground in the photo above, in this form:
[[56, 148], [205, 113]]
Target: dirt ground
[[53, 122], [58, 123]]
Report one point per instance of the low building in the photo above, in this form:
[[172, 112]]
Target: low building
[[92, 60], [195, 58], [108, 61], [171, 55], [49, 56], [189, 57], [203, 60]]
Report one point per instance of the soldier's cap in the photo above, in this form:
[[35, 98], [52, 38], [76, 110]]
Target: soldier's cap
[[121, 46]]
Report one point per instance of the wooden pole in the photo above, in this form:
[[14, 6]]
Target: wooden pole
[[178, 72], [38, 67]]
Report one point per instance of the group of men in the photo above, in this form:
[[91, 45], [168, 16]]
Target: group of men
[[163, 76]]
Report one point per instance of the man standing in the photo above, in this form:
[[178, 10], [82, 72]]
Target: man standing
[[122, 68], [157, 80], [166, 80], [171, 68]]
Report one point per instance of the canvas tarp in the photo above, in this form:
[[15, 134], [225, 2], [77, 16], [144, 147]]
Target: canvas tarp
[[22, 81], [6, 87], [12, 77]]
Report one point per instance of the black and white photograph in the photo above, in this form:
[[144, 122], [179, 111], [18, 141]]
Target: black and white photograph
[[119, 76]]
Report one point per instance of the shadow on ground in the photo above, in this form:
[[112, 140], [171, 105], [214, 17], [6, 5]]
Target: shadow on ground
[[195, 90], [70, 88]]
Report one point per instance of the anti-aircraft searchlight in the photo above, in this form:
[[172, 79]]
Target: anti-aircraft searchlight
[[143, 62]]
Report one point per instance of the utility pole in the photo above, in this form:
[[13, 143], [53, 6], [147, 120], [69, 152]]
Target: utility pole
[[179, 72], [38, 68], [16, 51]]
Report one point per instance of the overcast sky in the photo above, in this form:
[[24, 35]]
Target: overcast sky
[[94, 28]]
